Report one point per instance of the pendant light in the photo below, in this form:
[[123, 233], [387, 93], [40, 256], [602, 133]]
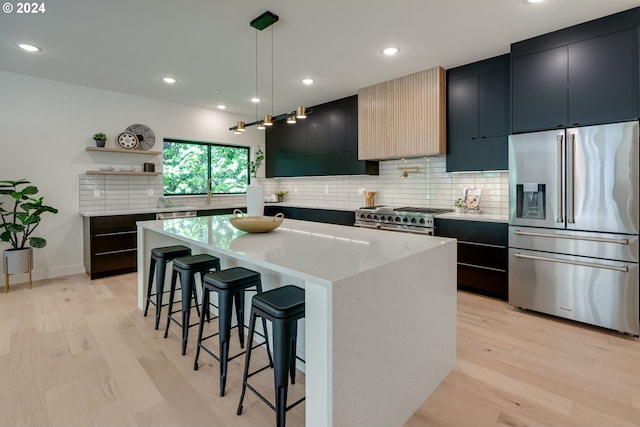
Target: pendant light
[[260, 23], [260, 123]]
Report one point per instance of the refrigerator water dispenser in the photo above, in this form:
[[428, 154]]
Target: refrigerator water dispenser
[[530, 201]]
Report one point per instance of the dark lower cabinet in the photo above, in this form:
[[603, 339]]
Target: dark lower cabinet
[[110, 244], [482, 255], [328, 216]]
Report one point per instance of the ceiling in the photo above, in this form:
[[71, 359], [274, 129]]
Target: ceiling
[[209, 46]]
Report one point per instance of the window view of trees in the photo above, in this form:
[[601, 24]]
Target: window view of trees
[[188, 166]]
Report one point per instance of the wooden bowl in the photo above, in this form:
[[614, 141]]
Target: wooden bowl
[[256, 224]]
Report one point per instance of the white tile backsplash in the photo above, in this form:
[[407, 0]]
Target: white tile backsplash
[[432, 186]]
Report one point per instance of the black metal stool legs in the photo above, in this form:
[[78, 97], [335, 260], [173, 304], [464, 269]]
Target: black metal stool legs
[[225, 301], [152, 269], [281, 346]]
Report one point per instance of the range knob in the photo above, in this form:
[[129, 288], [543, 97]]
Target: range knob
[[375, 217], [421, 220], [413, 220], [368, 216], [397, 219], [405, 220]]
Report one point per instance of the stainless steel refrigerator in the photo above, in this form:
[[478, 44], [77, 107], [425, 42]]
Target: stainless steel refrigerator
[[573, 224]]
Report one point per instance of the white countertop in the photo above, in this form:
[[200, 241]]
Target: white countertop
[[474, 217], [323, 253], [109, 212]]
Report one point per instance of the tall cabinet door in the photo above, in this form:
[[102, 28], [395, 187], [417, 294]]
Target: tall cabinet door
[[602, 178], [539, 90], [603, 79]]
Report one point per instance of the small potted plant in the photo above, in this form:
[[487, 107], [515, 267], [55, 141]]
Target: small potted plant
[[100, 138], [255, 164], [281, 195], [18, 224], [457, 203]]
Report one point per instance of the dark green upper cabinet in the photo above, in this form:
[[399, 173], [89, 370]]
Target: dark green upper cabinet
[[478, 115], [583, 75], [540, 90], [603, 79], [326, 143], [462, 108]]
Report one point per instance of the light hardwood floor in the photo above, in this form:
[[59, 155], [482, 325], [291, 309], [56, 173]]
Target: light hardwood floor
[[76, 352]]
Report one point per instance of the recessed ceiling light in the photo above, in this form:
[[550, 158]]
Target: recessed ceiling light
[[390, 51], [28, 47], [221, 106], [308, 81], [255, 99], [169, 80], [535, 1], [216, 91]]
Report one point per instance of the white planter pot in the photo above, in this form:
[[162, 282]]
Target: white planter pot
[[255, 199], [17, 260]]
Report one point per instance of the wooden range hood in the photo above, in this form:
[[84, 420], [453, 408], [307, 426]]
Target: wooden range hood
[[404, 117]]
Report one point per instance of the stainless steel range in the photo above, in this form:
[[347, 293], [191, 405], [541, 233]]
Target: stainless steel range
[[407, 219]]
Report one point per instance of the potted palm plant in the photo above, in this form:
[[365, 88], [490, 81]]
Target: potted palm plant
[[20, 219]]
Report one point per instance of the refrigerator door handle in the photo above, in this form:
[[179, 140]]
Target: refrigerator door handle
[[561, 236], [565, 261], [570, 178], [559, 204]]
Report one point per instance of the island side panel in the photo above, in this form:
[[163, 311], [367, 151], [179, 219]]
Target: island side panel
[[394, 338], [318, 352]]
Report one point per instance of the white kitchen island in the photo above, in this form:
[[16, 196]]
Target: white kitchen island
[[380, 325]]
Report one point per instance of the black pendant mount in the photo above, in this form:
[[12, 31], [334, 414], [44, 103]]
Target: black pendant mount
[[264, 21]]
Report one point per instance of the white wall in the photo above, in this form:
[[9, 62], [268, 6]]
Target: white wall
[[44, 129]]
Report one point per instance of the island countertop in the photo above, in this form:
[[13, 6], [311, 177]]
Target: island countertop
[[323, 253], [380, 308]]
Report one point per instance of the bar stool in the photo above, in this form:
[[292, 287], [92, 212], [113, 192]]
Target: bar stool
[[160, 257], [230, 285], [187, 267], [283, 307]]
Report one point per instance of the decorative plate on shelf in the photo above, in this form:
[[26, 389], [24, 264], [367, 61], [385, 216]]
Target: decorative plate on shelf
[[146, 137], [127, 140], [472, 198]]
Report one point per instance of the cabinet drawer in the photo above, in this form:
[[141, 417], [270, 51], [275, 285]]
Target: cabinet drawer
[[114, 262], [483, 281], [490, 233], [109, 242], [117, 223], [482, 255]]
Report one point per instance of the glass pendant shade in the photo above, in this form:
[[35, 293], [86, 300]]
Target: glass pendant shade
[[240, 126], [291, 119], [301, 113], [268, 120]]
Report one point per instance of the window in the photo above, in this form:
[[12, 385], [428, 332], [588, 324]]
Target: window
[[188, 166]]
